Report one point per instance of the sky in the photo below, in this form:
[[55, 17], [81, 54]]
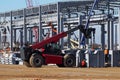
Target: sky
[[8, 5]]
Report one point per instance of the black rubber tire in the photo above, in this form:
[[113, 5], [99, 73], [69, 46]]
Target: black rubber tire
[[26, 64], [36, 60], [69, 60]]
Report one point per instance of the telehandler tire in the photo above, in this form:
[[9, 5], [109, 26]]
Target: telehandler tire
[[69, 60], [36, 60]]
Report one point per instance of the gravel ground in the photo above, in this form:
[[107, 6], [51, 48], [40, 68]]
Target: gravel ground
[[21, 72]]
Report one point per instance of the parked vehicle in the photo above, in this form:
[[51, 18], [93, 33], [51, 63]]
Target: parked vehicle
[[49, 52]]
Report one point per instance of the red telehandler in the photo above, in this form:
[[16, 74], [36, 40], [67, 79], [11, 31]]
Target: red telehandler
[[48, 52]]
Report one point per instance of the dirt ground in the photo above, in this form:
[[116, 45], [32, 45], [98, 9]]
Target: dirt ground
[[21, 72]]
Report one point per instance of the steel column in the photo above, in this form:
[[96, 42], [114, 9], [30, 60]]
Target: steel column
[[69, 27], [119, 29], [108, 25], [40, 38], [69, 37], [0, 37], [11, 31], [112, 36], [58, 18], [103, 36], [61, 30], [21, 37], [14, 32], [80, 34], [30, 36], [24, 27], [108, 32], [116, 34]]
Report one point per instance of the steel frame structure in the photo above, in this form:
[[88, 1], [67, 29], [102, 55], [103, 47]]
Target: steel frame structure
[[69, 13]]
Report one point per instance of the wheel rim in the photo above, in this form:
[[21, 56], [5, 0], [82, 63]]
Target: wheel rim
[[37, 61], [69, 61]]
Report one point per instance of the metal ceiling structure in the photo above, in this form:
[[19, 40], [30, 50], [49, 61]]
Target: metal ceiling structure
[[70, 10]]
